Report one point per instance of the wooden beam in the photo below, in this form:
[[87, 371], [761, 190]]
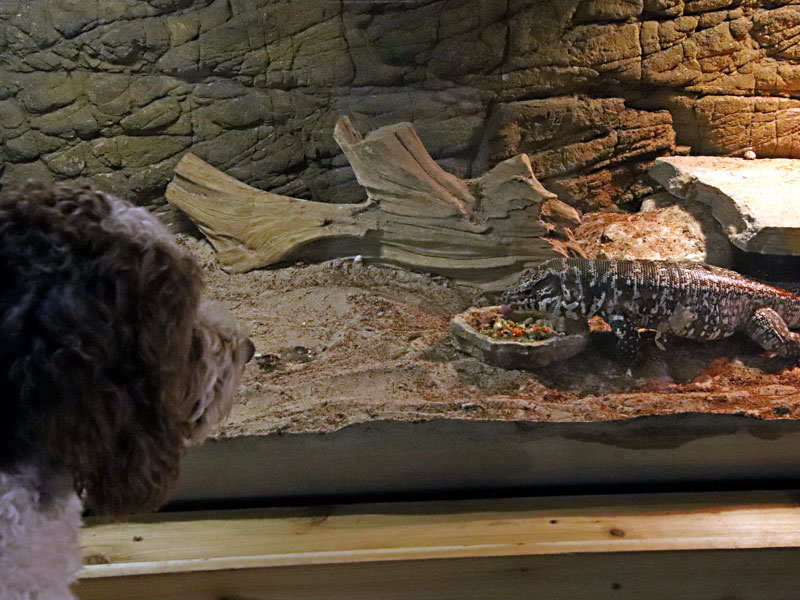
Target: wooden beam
[[444, 549]]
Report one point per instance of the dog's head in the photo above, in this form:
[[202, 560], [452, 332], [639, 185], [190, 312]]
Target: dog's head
[[110, 364]]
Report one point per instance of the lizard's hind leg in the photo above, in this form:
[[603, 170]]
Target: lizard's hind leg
[[768, 329], [628, 339]]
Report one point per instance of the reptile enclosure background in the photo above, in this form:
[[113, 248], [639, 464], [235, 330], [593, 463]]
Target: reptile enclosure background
[[592, 92]]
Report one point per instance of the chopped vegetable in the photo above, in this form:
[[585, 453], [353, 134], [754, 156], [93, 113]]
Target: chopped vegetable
[[530, 330]]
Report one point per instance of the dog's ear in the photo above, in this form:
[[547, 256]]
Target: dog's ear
[[97, 312], [221, 347]]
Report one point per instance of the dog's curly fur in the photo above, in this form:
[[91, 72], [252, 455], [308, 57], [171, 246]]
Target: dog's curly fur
[[110, 363]]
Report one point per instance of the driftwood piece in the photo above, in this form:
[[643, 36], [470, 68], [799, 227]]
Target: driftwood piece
[[251, 228], [481, 232]]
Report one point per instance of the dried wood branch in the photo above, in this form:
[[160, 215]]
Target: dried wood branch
[[481, 232]]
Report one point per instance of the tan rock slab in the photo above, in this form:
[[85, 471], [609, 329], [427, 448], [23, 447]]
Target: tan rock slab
[[757, 202]]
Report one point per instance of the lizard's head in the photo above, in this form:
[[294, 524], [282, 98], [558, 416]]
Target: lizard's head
[[538, 290]]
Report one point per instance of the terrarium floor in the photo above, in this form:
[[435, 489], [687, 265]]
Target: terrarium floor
[[347, 343]]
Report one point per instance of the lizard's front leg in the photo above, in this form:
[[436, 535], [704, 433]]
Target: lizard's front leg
[[628, 339], [769, 330]]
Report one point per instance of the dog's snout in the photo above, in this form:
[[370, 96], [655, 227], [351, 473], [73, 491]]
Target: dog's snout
[[249, 349]]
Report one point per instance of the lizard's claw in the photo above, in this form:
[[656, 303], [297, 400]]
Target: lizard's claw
[[659, 340]]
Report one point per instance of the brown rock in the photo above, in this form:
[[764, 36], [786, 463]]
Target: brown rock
[[76, 120], [44, 92], [778, 31], [30, 145], [592, 152], [138, 152], [65, 164], [122, 69], [152, 117], [734, 124], [11, 114], [663, 230]]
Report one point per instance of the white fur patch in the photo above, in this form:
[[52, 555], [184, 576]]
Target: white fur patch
[[40, 516], [136, 222]]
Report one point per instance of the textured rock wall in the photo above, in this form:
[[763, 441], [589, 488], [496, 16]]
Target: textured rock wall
[[118, 90]]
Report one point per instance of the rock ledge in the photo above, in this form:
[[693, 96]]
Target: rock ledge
[[757, 202]]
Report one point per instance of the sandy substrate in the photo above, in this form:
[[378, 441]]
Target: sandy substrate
[[346, 343]]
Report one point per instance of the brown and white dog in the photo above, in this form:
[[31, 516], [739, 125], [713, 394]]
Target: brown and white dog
[[111, 365]]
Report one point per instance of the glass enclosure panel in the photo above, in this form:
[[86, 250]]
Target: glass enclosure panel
[[565, 212]]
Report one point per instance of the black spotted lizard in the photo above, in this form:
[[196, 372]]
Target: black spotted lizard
[[692, 300]]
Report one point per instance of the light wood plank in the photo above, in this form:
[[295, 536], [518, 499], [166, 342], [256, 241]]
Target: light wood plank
[[707, 575], [271, 538]]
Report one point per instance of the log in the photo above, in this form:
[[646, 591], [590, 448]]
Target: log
[[481, 232], [251, 228]]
